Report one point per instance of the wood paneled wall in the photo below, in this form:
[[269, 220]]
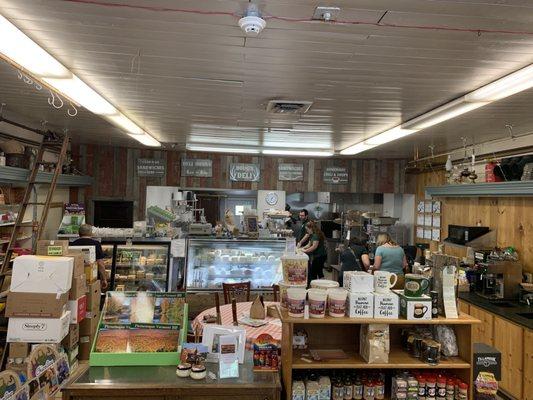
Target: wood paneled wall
[[115, 177], [512, 217]]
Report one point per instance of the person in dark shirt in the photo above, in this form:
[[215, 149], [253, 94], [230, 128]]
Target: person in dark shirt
[[87, 240], [303, 235], [353, 257], [316, 249]]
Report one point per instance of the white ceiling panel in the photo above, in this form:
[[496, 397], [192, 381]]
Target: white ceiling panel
[[185, 71]]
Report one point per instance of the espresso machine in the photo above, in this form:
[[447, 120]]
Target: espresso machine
[[500, 280]]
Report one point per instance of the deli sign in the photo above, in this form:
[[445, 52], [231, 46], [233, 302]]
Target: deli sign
[[241, 172]]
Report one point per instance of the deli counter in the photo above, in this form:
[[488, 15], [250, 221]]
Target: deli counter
[[211, 262]]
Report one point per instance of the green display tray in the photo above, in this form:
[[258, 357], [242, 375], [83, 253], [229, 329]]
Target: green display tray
[[139, 359]]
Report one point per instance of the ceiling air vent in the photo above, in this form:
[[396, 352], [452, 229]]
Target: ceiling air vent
[[288, 106]]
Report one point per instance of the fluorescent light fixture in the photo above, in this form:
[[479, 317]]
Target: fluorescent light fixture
[[357, 148], [220, 149], [440, 114], [19, 48], [145, 139], [389, 136], [125, 123], [504, 87], [298, 153], [82, 94]]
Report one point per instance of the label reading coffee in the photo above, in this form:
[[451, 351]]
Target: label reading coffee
[[337, 307]]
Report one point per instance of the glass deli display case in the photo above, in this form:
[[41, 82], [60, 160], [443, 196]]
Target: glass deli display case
[[210, 262], [141, 268], [108, 250]]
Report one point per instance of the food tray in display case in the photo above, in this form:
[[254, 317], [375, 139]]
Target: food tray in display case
[[108, 260], [213, 262], [140, 328], [141, 267]]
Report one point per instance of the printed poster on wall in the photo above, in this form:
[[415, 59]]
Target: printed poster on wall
[[241, 172], [151, 167], [336, 175], [290, 172], [199, 168]]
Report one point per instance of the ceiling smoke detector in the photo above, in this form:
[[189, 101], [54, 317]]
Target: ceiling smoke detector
[[288, 106], [326, 13], [252, 24]]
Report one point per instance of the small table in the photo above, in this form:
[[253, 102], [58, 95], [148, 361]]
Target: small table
[[273, 326]]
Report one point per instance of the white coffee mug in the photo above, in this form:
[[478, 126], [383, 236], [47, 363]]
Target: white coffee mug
[[382, 281]]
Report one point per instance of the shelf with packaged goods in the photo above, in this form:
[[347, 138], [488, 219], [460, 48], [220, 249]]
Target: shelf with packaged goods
[[464, 319], [398, 358], [19, 176], [12, 223]]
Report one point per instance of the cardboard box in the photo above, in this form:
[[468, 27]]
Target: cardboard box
[[79, 287], [38, 330], [94, 294], [89, 325], [84, 348], [91, 272], [487, 359], [79, 263], [73, 337], [41, 274], [358, 282], [52, 247], [414, 308], [89, 253], [19, 350], [44, 305], [361, 305], [386, 305], [77, 309]]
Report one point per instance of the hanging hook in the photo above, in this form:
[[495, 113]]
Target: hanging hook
[[19, 73], [74, 112], [51, 101], [510, 129], [38, 86]]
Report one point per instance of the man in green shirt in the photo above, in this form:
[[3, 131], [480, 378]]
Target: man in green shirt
[[303, 237]]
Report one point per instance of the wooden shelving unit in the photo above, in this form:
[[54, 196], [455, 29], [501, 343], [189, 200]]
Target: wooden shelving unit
[[343, 333]]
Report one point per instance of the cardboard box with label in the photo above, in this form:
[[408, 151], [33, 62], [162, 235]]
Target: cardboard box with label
[[73, 337], [360, 305], [487, 359], [42, 274], [45, 305], [77, 309], [94, 294], [414, 308], [358, 282], [79, 264], [89, 253], [38, 330], [79, 287], [89, 325], [52, 247], [72, 354], [19, 350], [386, 305], [84, 348]]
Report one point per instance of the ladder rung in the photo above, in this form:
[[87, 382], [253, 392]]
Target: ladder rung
[[6, 273], [52, 205], [46, 162]]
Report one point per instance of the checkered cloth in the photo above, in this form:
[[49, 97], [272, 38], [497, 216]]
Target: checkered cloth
[[273, 326]]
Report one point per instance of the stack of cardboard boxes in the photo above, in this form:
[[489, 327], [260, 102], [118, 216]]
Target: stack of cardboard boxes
[[88, 326], [52, 295]]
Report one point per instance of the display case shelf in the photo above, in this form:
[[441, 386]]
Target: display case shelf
[[398, 358]]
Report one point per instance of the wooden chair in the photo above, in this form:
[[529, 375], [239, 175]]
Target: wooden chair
[[275, 293], [236, 291]]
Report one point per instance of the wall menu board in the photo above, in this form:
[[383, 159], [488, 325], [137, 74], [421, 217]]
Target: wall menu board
[[428, 220], [200, 168], [336, 175], [290, 172], [151, 167], [241, 172]]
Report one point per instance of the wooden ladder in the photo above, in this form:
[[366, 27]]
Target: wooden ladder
[[54, 143]]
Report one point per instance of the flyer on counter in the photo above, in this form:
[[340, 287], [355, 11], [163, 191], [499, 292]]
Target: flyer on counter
[[228, 360]]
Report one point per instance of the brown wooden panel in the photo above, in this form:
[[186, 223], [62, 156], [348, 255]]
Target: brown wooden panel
[[484, 332], [508, 339], [528, 364]]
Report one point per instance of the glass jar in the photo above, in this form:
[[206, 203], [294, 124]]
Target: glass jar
[[421, 388], [463, 391], [379, 389], [338, 390], [450, 389], [441, 388], [348, 389], [431, 387], [368, 390]]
